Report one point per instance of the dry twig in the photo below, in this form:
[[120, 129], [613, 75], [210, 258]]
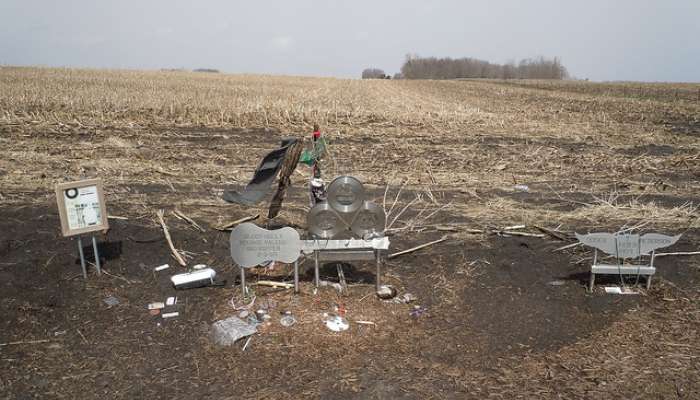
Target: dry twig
[[412, 249], [182, 216], [231, 225], [176, 254]]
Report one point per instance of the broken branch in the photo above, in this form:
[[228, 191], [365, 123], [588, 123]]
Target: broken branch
[[275, 284], [176, 254], [422, 246], [679, 253], [187, 219], [230, 225], [551, 233]]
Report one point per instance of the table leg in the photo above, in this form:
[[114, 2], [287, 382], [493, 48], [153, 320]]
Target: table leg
[[379, 271], [316, 269]]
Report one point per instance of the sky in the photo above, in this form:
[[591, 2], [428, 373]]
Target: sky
[[602, 40]]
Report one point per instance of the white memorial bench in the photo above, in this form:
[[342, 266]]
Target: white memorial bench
[[624, 247]]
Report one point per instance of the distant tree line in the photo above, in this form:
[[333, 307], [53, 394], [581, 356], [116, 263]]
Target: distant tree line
[[416, 67], [374, 73], [208, 70]]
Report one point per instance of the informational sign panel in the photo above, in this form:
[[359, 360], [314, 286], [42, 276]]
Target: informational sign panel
[[81, 207], [252, 245]]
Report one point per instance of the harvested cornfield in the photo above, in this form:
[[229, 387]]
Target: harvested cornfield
[[504, 171]]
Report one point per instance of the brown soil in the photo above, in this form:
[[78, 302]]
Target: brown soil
[[490, 303]]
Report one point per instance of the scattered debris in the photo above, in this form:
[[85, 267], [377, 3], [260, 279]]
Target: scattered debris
[[337, 286], [171, 301], [514, 228], [521, 188], [162, 267], [287, 319], [386, 292], [154, 312], [418, 311], [182, 216], [553, 233], [276, 284], [244, 306], [568, 246], [679, 253], [619, 290], [227, 331], [557, 282], [24, 342], [245, 346], [406, 298], [170, 314], [365, 323], [156, 306], [262, 315], [336, 323], [517, 233], [194, 279], [422, 246], [231, 225], [116, 276], [111, 301]]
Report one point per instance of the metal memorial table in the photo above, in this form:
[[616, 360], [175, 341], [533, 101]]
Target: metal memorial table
[[346, 213], [343, 250]]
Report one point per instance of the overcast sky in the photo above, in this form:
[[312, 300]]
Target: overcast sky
[[598, 39]]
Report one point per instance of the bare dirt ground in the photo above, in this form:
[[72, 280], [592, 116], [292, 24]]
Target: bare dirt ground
[[505, 316]]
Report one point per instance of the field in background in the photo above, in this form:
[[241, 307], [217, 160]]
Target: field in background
[[600, 140], [593, 156]]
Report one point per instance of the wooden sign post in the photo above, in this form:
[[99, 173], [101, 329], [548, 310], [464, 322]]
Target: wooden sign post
[[82, 209]]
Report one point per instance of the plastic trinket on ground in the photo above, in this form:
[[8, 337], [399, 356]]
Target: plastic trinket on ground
[[336, 323], [418, 311], [287, 319], [162, 267], [156, 306], [111, 301], [386, 292]]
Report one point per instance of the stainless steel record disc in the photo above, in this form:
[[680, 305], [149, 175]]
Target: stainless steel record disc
[[346, 194], [323, 222], [370, 219]]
